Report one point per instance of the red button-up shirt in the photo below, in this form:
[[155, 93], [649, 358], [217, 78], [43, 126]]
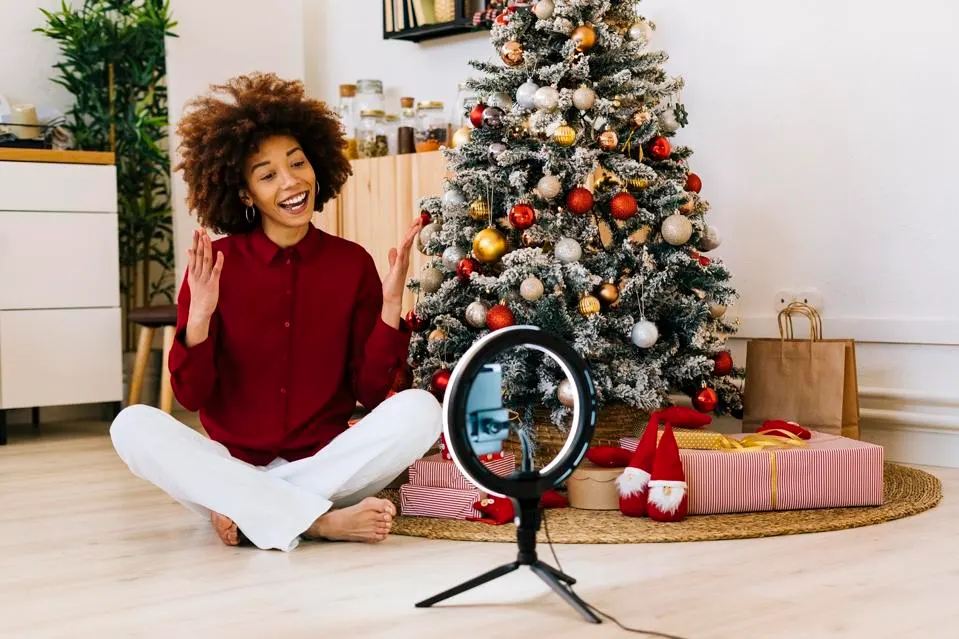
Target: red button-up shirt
[[296, 340]]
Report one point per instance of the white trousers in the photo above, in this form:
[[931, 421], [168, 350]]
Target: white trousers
[[273, 505]]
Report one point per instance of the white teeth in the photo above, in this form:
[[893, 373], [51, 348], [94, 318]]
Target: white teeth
[[294, 202]]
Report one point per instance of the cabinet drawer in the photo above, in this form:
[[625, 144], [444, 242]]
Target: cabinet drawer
[[60, 357], [41, 186], [58, 260]]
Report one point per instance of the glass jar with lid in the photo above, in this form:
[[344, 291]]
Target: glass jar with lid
[[406, 135], [369, 96], [432, 127], [371, 135], [347, 113], [391, 124]]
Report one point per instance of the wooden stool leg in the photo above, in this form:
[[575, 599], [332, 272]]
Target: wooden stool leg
[[166, 387], [140, 364]]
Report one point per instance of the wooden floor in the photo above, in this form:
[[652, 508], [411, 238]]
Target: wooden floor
[[88, 550]]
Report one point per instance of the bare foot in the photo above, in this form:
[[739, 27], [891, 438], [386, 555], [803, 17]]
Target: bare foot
[[226, 529], [369, 521]]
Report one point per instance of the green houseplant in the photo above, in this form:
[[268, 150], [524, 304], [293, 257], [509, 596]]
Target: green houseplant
[[112, 60]]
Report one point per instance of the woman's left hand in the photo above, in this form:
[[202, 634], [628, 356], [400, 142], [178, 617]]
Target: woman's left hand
[[394, 284]]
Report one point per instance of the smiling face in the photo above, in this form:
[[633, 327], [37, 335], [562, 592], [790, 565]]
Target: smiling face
[[281, 184]]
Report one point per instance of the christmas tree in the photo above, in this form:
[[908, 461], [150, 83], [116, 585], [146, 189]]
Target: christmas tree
[[571, 209]]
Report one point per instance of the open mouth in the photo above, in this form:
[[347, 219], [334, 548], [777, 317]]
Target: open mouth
[[296, 203]]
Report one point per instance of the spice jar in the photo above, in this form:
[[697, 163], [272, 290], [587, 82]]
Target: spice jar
[[432, 129], [391, 124], [369, 96], [371, 136], [406, 134], [347, 113]]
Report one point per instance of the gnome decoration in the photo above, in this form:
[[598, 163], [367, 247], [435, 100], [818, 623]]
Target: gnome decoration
[[680, 417], [667, 498], [496, 511], [632, 483]]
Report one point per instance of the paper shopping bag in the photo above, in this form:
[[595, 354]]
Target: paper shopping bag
[[809, 381]]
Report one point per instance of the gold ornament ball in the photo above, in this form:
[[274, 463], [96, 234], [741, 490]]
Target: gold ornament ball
[[462, 137], [479, 210], [609, 293], [565, 136], [677, 229], [642, 117], [608, 140], [638, 183], [512, 53], [437, 335], [489, 245], [589, 305], [585, 38], [717, 310]]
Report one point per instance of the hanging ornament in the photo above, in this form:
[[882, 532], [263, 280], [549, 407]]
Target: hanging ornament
[[584, 37], [453, 198], [496, 149], [452, 256], [694, 183], [579, 201], [476, 314], [493, 117], [438, 335], [668, 120], [723, 364], [642, 117], [489, 245], [584, 98], [568, 250], [565, 135], [716, 310], [706, 400], [623, 206], [431, 279], [688, 206], [479, 210], [589, 305], [546, 98], [466, 268], [638, 183], [608, 293], [501, 100], [710, 239], [502, 20], [522, 216], [425, 218], [476, 114], [415, 322], [544, 9], [439, 382], [565, 394], [499, 317], [526, 94], [512, 53], [641, 31], [549, 187], [608, 140], [644, 334], [677, 229], [531, 289], [462, 137], [660, 148], [426, 234]]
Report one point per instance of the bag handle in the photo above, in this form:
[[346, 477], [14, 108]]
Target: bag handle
[[785, 320]]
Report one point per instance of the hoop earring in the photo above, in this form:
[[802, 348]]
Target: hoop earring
[[250, 214]]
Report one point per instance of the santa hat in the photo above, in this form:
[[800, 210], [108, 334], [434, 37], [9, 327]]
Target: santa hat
[[631, 484], [667, 498]]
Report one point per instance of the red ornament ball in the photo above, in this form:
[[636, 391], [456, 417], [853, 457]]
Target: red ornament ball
[[693, 183], [499, 317], [403, 380], [623, 206], [466, 267], [440, 381], [706, 400], [660, 148], [522, 216], [425, 218], [416, 322], [476, 115], [579, 201], [502, 19], [723, 364]]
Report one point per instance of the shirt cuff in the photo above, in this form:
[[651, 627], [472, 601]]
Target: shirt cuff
[[191, 362], [391, 343]]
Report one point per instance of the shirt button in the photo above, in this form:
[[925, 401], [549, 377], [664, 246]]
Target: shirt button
[[286, 324], [288, 260], [282, 391]]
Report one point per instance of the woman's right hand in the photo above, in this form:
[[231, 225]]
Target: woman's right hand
[[203, 278]]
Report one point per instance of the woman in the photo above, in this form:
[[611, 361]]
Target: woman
[[281, 330]]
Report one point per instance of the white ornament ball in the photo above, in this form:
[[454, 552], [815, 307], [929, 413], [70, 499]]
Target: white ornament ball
[[427, 232], [476, 314], [716, 310], [644, 334], [565, 394], [531, 289], [584, 98], [431, 279], [668, 121], [546, 98], [549, 186], [544, 9], [710, 240], [526, 94], [568, 250], [641, 31], [501, 100], [452, 257], [677, 229], [454, 197]]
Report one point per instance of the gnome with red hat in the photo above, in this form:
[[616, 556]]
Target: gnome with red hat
[[667, 494], [632, 484]]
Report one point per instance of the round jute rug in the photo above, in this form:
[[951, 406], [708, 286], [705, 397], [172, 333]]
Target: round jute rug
[[908, 491]]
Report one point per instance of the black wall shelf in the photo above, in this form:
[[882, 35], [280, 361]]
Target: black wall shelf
[[461, 24]]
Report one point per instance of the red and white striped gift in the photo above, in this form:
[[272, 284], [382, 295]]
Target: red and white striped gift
[[440, 473], [829, 472], [444, 503]]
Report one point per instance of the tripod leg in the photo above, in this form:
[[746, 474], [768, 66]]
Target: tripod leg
[[469, 585], [560, 589], [562, 576]]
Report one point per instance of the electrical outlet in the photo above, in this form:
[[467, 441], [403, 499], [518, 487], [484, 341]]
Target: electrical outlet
[[784, 298], [811, 297]]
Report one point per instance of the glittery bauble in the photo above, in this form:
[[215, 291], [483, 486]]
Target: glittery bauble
[[499, 317], [512, 53], [522, 216], [565, 135], [589, 305], [717, 310], [431, 279], [546, 98], [476, 314], [489, 245], [440, 381], [623, 206], [608, 140], [608, 293], [476, 114], [642, 117], [660, 148], [466, 267], [640, 31], [638, 183], [565, 394], [568, 250], [497, 149], [526, 94], [710, 239], [438, 335], [584, 37], [706, 400], [644, 334], [549, 186], [723, 364], [454, 197], [584, 98], [426, 234], [544, 9], [479, 210], [531, 289], [579, 201], [416, 322], [694, 183], [501, 100], [493, 117], [677, 229], [452, 256], [668, 121], [462, 137]]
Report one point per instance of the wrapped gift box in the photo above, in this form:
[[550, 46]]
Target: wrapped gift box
[[439, 473], [445, 503], [828, 471], [687, 438]]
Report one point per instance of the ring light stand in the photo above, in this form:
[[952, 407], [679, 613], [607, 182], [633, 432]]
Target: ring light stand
[[468, 431]]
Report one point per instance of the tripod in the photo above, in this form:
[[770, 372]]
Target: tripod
[[529, 522]]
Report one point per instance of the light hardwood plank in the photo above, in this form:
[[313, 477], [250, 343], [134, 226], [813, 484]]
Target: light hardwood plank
[[56, 156]]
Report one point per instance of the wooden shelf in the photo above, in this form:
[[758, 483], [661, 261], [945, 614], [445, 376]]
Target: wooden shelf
[[57, 157], [432, 31]]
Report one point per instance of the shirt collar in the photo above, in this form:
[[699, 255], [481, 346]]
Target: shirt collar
[[268, 251]]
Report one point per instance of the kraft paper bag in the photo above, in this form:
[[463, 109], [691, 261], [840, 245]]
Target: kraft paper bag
[[812, 381]]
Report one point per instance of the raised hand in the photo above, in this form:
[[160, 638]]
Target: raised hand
[[394, 283], [203, 275]]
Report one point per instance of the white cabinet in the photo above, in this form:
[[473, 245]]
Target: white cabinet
[[60, 320]]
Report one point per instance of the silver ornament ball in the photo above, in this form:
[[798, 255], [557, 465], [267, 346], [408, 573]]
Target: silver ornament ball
[[568, 250], [677, 229], [501, 100], [644, 334], [640, 31], [531, 289], [431, 279], [546, 98], [496, 149], [427, 232], [668, 121], [565, 394], [476, 314], [493, 117], [544, 9], [549, 186], [454, 197], [452, 257], [525, 94], [710, 240], [584, 98]]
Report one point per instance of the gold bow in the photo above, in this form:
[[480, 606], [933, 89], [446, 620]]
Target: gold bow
[[751, 443]]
